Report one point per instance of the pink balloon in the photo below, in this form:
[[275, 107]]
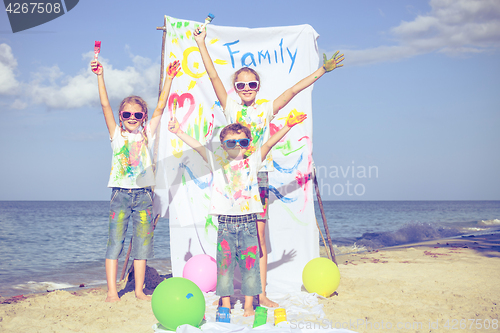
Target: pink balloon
[[202, 270]]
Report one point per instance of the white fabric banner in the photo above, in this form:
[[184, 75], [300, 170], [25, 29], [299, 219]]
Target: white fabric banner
[[282, 56]]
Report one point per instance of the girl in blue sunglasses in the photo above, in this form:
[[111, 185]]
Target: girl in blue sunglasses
[[235, 200], [257, 118]]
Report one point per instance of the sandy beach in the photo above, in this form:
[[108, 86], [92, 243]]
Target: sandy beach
[[438, 286]]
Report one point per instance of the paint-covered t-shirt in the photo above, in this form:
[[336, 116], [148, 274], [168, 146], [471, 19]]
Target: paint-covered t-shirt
[[258, 119], [235, 189], [131, 162]]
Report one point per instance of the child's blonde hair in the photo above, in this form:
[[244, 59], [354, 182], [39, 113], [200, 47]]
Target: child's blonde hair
[[245, 69], [144, 107]]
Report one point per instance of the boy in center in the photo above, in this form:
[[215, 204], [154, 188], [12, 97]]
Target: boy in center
[[235, 200]]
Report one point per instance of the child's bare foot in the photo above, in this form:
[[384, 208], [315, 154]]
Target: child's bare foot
[[112, 298], [248, 308], [143, 296], [264, 301], [249, 311]]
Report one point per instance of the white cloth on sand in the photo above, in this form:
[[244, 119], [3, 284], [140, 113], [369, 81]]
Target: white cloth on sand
[[303, 311]]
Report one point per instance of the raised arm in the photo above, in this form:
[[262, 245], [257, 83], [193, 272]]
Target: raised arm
[[328, 66], [174, 127], [220, 91], [103, 95], [172, 70], [292, 120]]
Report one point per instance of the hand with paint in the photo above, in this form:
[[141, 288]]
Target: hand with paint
[[334, 62], [200, 34], [174, 126], [173, 68], [295, 118], [96, 67]]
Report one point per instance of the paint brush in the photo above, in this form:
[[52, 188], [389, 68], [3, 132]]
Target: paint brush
[[97, 49], [209, 19], [174, 106]]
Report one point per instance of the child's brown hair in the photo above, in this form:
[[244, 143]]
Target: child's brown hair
[[235, 128]]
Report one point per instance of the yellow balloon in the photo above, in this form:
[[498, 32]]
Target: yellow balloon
[[321, 276]]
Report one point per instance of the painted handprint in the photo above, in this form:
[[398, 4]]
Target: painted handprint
[[295, 118], [332, 63], [173, 68], [177, 147]]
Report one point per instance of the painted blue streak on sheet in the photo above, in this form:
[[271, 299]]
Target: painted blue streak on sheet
[[281, 196], [198, 183], [290, 170]]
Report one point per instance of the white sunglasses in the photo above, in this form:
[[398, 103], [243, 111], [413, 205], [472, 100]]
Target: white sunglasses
[[252, 85]]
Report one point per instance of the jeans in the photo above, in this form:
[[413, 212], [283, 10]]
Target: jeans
[[263, 180], [237, 241], [135, 205]]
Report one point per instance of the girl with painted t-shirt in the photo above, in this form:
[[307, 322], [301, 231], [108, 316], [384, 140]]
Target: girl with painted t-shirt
[[257, 118], [131, 179]]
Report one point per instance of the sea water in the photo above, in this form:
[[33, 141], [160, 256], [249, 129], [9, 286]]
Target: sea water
[[47, 245]]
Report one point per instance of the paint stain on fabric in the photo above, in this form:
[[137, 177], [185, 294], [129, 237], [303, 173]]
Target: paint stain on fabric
[[144, 228], [130, 158], [209, 223], [249, 255], [289, 170], [194, 178], [294, 218], [302, 179], [177, 147], [280, 196], [225, 257], [119, 225], [286, 148], [191, 85]]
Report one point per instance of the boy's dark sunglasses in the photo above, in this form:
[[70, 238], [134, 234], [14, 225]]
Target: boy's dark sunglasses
[[137, 115], [252, 85], [232, 143]]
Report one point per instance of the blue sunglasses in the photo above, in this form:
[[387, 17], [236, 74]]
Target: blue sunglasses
[[232, 143]]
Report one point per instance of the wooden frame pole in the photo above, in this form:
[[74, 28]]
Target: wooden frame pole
[[320, 203]]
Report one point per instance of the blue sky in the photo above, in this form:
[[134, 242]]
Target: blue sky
[[417, 102]]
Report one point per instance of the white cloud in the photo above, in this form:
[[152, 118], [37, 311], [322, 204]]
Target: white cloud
[[51, 87], [454, 27], [8, 64]]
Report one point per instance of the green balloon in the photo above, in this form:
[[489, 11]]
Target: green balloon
[[321, 276], [177, 301]]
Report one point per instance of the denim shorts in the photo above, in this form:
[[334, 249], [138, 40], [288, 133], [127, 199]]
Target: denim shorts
[[263, 180], [135, 205], [237, 241]]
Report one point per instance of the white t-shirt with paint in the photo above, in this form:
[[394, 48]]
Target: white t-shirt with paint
[[235, 189], [131, 165]]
